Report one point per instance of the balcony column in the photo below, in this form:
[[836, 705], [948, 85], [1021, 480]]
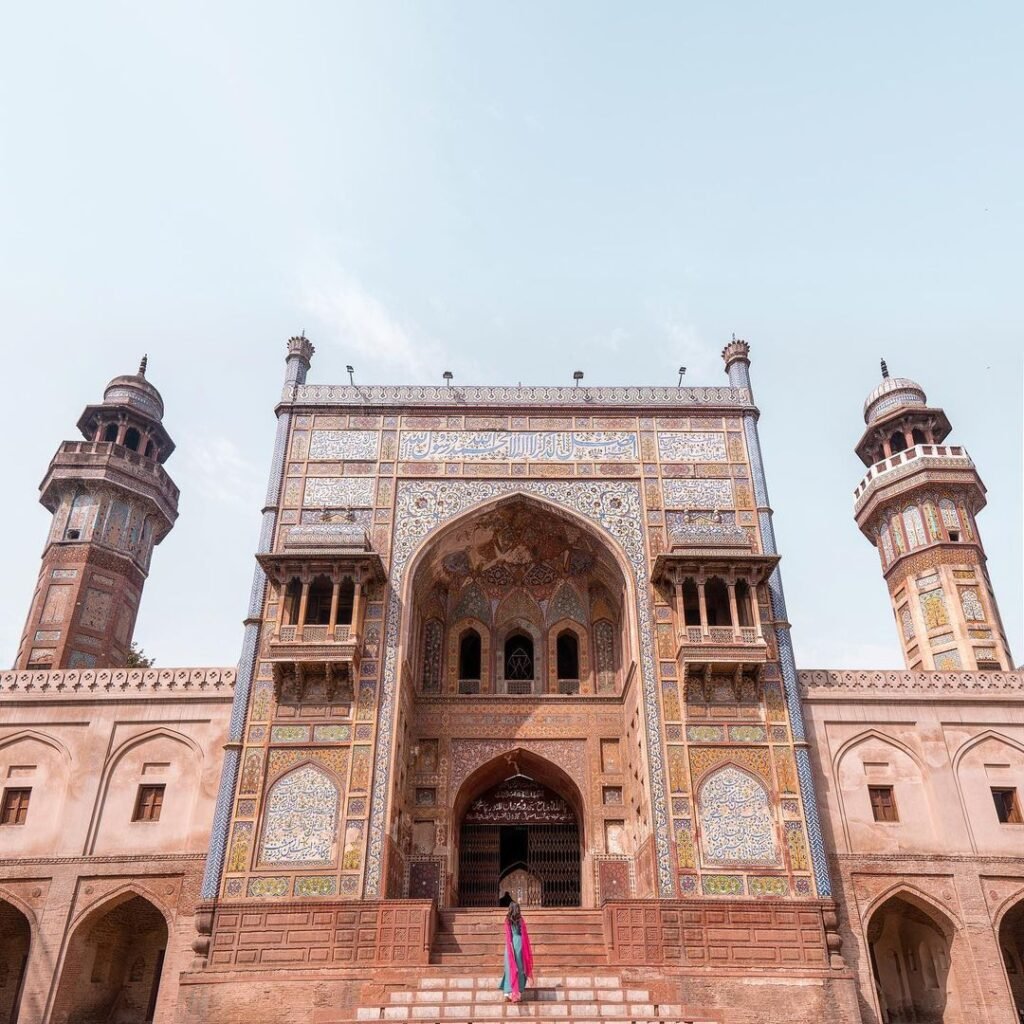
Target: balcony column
[[733, 611], [281, 589], [680, 607], [755, 610], [355, 630], [122, 429], [703, 608], [334, 608], [303, 601]]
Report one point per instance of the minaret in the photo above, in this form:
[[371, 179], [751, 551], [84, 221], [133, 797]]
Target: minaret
[[917, 506], [112, 501]]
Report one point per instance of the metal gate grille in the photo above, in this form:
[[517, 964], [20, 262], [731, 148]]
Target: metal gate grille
[[555, 860], [479, 865], [553, 857]]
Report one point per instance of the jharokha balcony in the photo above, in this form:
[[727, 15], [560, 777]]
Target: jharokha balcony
[[318, 595], [716, 583]]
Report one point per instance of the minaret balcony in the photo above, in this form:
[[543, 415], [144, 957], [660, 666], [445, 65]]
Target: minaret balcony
[[105, 463], [943, 463]]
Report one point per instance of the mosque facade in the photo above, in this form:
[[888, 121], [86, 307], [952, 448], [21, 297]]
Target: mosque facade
[[512, 642]]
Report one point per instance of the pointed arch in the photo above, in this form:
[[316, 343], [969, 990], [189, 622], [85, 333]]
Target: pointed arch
[[882, 737], [736, 817], [944, 916], [116, 931], [9, 739], [300, 817], [566, 604], [988, 734], [107, 796]]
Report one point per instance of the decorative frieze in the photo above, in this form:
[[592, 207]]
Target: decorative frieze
[[704, 494], [692, 446], [344, 444], [532, 445]]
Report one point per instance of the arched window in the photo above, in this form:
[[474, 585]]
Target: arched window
[[519, 663], [318, 603], [132, 438], [897, 442], [744, 603], [469, 659], [914, 526], [567, 655], [716, 599], [110, 434], [150, 450], [691, 603], [918, 435]]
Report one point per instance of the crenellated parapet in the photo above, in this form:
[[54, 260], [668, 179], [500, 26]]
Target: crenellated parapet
[[116, 683]]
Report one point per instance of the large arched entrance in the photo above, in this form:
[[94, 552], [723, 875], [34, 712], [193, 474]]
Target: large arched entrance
[[519, 835], [15, 938], [910, 963], [1011, 944], [113, 966]]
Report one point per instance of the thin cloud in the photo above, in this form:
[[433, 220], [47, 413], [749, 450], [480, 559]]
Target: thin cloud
[[700, 357], [218, 471], [345, 312]]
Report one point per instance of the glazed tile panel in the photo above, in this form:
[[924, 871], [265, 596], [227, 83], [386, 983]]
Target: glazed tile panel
[[499, 445], [692, 446], [344, 444], [737, 823], [699, 494], [343, 492], [302, 819]]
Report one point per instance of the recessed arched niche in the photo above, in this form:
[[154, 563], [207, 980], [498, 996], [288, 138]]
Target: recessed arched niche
[[543, 593]]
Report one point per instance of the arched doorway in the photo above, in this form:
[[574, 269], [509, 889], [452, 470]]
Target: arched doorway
[[519, 835], [113, 966], [910, 964], [15, 938], [1011, 944]]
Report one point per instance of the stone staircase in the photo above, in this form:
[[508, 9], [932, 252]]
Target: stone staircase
[[569, 938], [580, 997]]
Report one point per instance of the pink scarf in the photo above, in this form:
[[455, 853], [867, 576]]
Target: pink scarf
[[513, 967]]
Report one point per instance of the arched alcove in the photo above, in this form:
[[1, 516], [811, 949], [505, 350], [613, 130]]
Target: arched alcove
[[519, 817], [15, 942], [910, 944], [113, 967], [300, 824], [1011, 946]]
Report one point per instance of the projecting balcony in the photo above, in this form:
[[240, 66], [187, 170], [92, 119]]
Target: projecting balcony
[[722, 649], [316, 643]]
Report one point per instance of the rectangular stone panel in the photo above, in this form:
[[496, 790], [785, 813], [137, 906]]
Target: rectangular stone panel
[[516, 445]]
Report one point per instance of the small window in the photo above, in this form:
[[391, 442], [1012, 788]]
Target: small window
[[469, 656], [149, 803], [1007, 806], [15, 806], [132, 438], [954, 536], [110, 434], [883, 805], [567, 651]]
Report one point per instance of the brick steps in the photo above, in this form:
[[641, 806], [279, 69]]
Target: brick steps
[[569, 938], [580, 998]]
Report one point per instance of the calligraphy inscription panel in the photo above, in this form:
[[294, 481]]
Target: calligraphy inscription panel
[[501, 445]]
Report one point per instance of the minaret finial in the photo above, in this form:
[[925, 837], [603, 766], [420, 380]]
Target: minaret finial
[[142, 365], [885, 370]]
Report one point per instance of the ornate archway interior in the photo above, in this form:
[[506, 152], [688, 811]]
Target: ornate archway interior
[[516, 635]]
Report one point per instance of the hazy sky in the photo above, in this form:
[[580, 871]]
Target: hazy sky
[[511, 191]]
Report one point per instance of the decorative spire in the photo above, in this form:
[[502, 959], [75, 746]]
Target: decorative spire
[[142, 365], [885, 370]]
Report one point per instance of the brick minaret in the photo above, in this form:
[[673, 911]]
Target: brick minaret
[[112, 501], [917, 506]]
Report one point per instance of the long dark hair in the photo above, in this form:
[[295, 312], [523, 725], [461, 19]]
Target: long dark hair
[[514, 915]]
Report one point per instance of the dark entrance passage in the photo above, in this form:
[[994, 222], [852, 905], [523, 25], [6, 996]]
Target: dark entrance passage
[[523, 839]]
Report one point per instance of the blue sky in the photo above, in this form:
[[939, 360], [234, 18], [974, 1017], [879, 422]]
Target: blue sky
[[511, 191]]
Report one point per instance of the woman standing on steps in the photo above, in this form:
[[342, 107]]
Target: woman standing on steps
[[518, 955]]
